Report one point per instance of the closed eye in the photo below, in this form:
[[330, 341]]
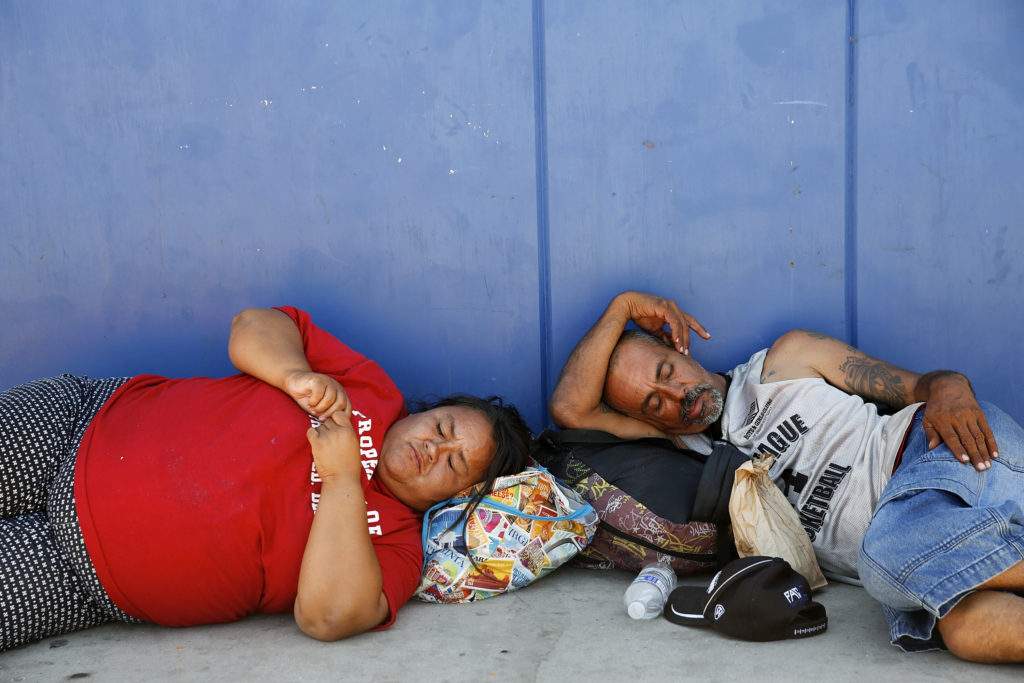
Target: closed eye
[[461, 455], [652, 403], [665, 370]]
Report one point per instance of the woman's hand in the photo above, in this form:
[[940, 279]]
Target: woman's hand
[[340, 590], [319, 395], [336, 448]]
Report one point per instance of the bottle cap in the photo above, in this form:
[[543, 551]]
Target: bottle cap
[[636, 610]]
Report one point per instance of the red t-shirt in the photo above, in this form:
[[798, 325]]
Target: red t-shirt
[[195, 496]]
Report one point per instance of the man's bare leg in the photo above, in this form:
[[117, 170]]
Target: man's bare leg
[[988, 625]]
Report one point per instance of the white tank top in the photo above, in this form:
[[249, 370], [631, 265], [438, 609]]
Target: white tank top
[[833, 454]]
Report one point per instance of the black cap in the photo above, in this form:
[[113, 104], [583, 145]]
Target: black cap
[[754, 598]]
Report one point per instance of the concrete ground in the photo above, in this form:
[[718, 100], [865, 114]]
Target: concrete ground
[[569, 626]]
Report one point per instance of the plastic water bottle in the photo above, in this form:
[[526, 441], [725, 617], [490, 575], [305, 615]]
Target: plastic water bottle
[[647, 595]]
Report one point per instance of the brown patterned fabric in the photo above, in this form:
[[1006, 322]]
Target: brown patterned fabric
[[696, 541]]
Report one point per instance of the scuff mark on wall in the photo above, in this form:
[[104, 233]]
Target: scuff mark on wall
[[813, 103]]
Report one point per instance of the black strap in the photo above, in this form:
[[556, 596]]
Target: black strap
[[565, 438], [713, 492], [716, 479]]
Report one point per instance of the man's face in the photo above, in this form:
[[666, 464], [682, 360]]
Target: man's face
[[430, 456], [662, 387]]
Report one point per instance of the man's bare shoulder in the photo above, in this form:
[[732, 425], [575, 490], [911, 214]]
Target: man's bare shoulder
[[793, 355]]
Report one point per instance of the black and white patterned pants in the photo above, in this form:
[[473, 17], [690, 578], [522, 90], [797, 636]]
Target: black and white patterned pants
[[47, 582]]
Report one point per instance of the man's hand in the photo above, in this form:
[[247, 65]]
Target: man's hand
[[952, 416], [319, 395], [335, 448], [652, 314]]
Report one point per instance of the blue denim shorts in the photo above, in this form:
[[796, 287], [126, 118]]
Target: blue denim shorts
[[941, 529]]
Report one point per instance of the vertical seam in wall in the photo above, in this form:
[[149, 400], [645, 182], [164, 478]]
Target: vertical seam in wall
[[850, 195], [543, 234]]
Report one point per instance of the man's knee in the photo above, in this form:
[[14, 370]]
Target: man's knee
[[956, 631], [986, 626]]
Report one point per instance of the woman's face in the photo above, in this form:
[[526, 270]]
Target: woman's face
[[430, 456]]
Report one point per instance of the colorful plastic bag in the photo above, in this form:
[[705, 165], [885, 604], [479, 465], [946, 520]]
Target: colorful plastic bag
[[528, 526]]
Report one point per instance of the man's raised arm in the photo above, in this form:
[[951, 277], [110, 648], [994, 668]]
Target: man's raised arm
[[576, 402], [952, 415]]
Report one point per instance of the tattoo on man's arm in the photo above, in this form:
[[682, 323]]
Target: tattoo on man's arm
[[869, 378]]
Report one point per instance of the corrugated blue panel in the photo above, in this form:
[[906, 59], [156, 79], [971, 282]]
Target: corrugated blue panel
[[166, 164], [941, 189], [697, 152], [389, 167]]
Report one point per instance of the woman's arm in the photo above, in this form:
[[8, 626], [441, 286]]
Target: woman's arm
[[340, 589], [266, 344]]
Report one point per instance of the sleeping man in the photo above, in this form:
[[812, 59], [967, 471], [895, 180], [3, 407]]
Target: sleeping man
[[919, 505]]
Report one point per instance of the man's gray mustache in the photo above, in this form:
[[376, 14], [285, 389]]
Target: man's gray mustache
[[713, 404]]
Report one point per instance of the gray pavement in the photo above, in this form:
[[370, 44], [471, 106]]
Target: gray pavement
[[569, 626]]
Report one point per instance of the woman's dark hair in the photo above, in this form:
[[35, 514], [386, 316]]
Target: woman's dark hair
[[511, 439]]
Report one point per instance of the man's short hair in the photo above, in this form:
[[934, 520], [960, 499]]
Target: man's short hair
[[638, 336]]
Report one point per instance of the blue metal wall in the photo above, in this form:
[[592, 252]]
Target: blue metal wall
[[458, 189]]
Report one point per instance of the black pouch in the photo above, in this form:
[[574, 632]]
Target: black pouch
[[652, 497]]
